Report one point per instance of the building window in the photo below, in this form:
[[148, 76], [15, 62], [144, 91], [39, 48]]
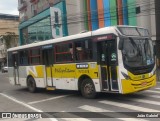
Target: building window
[[32, 9], [39, 31], [64, 52], [138, 10]]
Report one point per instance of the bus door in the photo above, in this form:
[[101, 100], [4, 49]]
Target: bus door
[[16, 67], [107, 52], [48, 62]]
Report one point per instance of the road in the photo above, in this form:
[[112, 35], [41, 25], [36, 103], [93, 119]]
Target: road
[[70, 105]]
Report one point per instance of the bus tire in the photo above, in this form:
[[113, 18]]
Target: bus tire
[[31, 85], [88, 89]]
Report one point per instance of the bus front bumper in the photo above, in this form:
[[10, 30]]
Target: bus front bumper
[[131, 86]]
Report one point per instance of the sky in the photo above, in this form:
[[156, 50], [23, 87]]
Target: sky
[[9, 7]]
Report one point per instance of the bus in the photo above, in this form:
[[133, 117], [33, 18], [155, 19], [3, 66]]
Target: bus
[[116, 59]]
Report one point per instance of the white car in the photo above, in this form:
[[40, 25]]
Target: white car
[[4, 69]]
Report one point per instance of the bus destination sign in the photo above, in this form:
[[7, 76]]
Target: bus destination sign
[[47, 46], [101, 38]]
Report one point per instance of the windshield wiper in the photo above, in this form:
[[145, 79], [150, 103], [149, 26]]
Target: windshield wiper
[[135, 45]]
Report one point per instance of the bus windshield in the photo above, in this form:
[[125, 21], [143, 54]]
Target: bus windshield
[[133, 31], [137, 52]]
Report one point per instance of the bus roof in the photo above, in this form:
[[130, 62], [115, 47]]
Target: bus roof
[[101, 31]]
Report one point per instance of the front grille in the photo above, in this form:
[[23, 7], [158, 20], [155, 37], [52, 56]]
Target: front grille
[[141, 86]]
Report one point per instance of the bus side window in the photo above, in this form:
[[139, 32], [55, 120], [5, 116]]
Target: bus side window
[[83, 50], [10, 59], [23, 55], [64, 52], [35, 56], [15, 60], [80, 55]]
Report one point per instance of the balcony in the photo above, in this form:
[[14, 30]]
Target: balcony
[[22, 6]]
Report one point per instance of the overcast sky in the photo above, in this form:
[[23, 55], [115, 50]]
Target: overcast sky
[[9, 7]]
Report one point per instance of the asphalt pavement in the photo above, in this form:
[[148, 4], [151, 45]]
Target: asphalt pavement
[[70, 104]]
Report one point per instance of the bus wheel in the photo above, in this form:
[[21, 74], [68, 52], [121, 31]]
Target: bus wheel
[[31, 85], [88, 89]]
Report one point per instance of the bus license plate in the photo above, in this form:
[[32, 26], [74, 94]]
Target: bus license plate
[[144, 83]]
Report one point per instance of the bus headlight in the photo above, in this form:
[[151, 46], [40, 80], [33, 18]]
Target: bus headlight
[[126, 76]]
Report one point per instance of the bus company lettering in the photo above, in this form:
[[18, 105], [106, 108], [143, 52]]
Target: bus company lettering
[[66, 70]]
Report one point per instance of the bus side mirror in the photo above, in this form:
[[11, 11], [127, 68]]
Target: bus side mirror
[[120, 45]]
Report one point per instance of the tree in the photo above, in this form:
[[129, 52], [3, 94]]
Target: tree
[[9, 40], [9, 37]]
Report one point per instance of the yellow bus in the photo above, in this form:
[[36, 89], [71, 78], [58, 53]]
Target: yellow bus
[[116, 59]]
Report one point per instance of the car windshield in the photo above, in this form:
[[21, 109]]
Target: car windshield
[[137, 52]]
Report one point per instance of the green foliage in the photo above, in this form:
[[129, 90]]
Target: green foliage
[[8, 38]]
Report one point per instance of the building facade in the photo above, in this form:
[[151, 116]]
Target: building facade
[[47, 19], [8, 23], [102, 13], [8, 27], [42, 20]]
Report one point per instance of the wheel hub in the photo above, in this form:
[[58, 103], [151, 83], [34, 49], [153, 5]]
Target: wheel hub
[[88, 88]]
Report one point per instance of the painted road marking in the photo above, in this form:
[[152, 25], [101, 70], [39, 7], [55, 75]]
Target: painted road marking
[[26, 105], [93, 109], [73, 117], [128, 106], [152, 91], [157, 88], [96, 109], [145, 101], [48, 99], [154, 96]]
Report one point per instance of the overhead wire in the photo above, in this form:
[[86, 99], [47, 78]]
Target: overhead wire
[[84, 13], [74, 21]]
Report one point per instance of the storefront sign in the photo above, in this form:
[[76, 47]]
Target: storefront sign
[[56, 22]]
